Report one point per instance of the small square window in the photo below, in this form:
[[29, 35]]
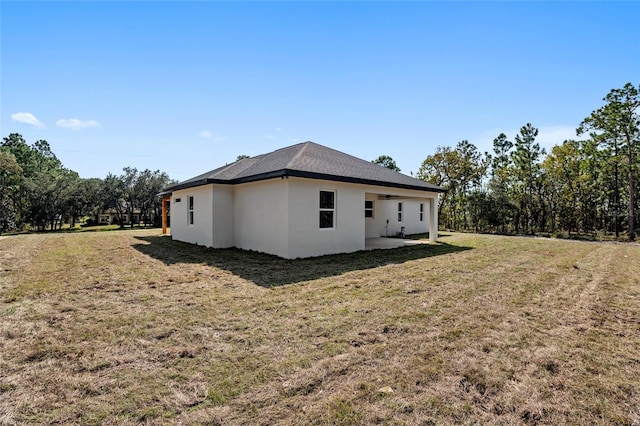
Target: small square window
[[368, 209]]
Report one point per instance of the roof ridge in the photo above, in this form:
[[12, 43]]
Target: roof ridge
[[299, 153]]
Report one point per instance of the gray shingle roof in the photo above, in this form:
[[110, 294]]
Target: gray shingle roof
[[310, 160]]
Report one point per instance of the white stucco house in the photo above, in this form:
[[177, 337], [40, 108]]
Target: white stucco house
[[300, 201]]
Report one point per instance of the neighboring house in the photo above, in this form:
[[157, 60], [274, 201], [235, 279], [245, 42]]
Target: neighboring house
[[110, 216], [300, 201]]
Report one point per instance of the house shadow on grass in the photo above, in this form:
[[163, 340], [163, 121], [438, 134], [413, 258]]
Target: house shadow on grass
[[267, 270]]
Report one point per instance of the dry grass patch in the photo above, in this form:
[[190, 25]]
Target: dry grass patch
[[129, 327]]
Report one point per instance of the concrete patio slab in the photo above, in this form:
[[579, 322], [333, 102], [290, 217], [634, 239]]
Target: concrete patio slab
[[389, 243]]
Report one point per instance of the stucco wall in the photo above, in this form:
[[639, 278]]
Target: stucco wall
[[281, 216], [261, 216], [306, 238], [375, 227], [201, 232], [223, 200], [411, 219]]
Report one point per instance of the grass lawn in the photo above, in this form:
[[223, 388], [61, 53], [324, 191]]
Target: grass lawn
[[130, 327]]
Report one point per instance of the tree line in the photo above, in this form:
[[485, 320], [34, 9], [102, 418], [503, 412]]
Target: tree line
[[37, 191], [581, 186]]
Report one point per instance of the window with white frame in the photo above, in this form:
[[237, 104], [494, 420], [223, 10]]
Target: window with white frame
[[190, 210], [421, 212], [400, 206], [368, 209], [327, 209]]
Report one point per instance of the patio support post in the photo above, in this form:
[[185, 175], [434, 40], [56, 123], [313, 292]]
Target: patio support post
[[165, 200], [433, 219]]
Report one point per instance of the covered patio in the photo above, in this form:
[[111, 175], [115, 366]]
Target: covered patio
[[396, 213]]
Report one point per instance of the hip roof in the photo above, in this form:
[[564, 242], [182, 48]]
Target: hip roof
[[308, 160]]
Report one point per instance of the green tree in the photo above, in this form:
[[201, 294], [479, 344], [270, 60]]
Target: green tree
[[135, 191], [147, 187], [25, 158], [440, 169], [10, 170], [593, 189], [458, 171], [112, 195], [51, 182], [526, 160], [10, 174], [38, 198], [500, 182], [563, 172], [616, 125], [7, 212], [386, 161], [129, 180], [471, 170], [67, 182], [482, 210], [85, 199], [36, 189]]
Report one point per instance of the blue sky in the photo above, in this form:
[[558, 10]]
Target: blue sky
[[185, 87]]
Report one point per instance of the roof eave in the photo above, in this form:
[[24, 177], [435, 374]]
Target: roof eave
[[313, 175], [303, 174], [191, 184]]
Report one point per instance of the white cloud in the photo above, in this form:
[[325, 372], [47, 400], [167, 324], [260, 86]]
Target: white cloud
[[270, 137], [75, 124], [205, 134], [26, 118]]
